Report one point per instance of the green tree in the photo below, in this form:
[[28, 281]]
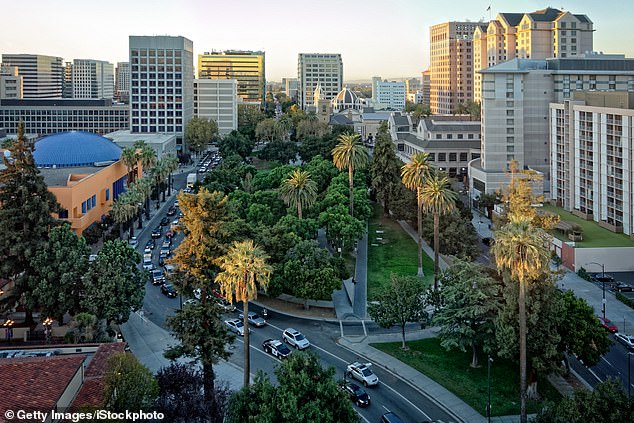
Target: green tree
[[248, 118], [244, 271], [25, 216], [458, 237], [130, 159], [413, 175], [235, 143], [488, 201], [114, 285], [128, 384], [438, 199], [281, 151], [384, 168], [471, 304], [321, 171], [60, 266], [350, 154], [310, 127], [341, 228], [267, 130], [299, 190], [307, 390], [199, 132], [400, 302]]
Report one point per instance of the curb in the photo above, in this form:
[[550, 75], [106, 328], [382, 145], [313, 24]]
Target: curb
[[296, 316]]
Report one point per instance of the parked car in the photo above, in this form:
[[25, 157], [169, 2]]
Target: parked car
[[191, 301], [171, 211], [622, 287], [151, 244], [235, 326], [176, 203], [147, 250], [168, 290], [166, 245], [607, 325], [161, 260], [133, 242], [225, 305], [391, 418], [276, 348], [158, 278], [165, 221], [295, 338], [254, 319], [627, 340], [157, 232], [602, 277], [362, 373], [356, 393]]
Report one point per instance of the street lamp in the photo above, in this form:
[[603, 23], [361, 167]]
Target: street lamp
[[9, 330], [489, 361], [602, 282], [48, 322]]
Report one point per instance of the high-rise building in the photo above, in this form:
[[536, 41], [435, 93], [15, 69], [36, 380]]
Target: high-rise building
[[388, 94], [290, 87], [67, 82], [161, 85], [11, 84], [216, 99], [93, 79], [246, 67], [451, 67], [426, 86], [537, 35], [122, 82], [41, 75], [315, 69]]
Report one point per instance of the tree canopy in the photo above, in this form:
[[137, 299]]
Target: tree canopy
[[199, 132]]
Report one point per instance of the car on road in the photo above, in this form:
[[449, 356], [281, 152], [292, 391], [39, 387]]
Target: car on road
[[191, 301], [151, 244], [235, 326], [158, 278], [225, 305], [602, 277], [157, 232], [168, 290], [147, 262], [295, 338], [627, 340], [165, 221], [362, 373], [607, 325], [169, 234], [276, 348], [171, 211], [133, 242], [622, 287], [391, 418], [356, 393], [254, 319]]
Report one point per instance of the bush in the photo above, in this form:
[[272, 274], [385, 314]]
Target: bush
[[625, 300], [583, 274], [93, 233]]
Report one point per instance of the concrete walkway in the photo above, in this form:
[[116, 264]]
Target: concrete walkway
[[360, 303]]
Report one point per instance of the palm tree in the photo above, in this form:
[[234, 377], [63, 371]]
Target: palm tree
[[123, 211], [143, 187], [413, 175], [439, 199], [129, 158], [521, 251], [352, 154], [158, 173], [171, 163], [244, 270], [299, 190], [147, 156]]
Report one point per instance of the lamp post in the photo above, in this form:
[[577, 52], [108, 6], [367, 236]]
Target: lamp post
[[602, 283], [489, 361], [48, 322], [9, 329]]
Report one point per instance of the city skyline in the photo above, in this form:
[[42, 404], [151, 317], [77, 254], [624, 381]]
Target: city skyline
[[373, 41]]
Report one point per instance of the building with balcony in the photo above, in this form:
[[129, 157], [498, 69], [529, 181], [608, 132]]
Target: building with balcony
[[246, 67]]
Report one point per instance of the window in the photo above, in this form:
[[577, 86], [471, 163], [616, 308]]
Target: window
[[107, 194], [453, 157], [470, 136], [442, 157], [449, 136], [463, 157], [438, 136], [432, 157]]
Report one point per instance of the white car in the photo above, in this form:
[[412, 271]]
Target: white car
[[236, 326], [295, 338], [627, 340], [133, 241], [362, 373], [147, 251]]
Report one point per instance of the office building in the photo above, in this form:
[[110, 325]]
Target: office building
[[315, 69], [217, 100], [161, 85], [426, 86], [290, 87], [41, 75], [538, 35], [49, 116], [67, 81], [451, 65], [93, 79], [389, 95], [122, 83], [11, 83], [246, 67]]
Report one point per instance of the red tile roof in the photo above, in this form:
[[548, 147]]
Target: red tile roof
[[97, 366], [36, 383]]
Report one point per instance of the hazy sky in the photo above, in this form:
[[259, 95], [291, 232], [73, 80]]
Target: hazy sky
[[388, 38]]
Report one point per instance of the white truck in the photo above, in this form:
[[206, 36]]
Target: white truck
[[192, 178]]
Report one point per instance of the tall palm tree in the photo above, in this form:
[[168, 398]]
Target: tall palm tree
[[147, 157], [123, 211], [351, 154], [439, 199], [158, 173], [129, 158], [413, 175], [143, 188], [521, 252], [171, 163], [299, 190], [244, 270]]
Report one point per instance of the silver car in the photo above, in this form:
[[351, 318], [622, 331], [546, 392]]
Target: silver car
[[254, 319], [295, 338]]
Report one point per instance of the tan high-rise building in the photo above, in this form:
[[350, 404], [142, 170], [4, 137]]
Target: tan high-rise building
[[11, 83], [426, 86], [451, 68], [538, 35], [246, 67]]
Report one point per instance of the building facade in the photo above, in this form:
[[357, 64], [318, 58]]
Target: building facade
[[290, 87], [43, 117], [538, 35], [122, 83], [93, 79], [246, 67], [217, 100], [315, 69], [388, 94], [67, 81], [42, 75], [451, 65], [11, 83], [426, 86], [161, 85]]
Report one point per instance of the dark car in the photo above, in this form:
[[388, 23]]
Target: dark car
[[165, 221], [601, 277], [390, 418], [171, 211], [151, 244], [356, 394], [622, 287], [607, 325], [168, 290], [157, 232], [276, 348], [161, 260]]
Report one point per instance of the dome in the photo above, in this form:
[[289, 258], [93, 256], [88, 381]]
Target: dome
[[346, 97], [75, 148]]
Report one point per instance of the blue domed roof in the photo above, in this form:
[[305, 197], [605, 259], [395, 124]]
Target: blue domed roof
[[75, 148]]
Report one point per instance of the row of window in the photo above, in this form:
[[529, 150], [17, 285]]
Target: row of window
[[87, 205], [154, 129]]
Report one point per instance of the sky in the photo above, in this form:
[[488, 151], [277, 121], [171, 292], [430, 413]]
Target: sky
[[387, 38]]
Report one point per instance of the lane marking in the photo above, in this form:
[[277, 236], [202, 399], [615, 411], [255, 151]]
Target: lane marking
[[365, 331], [595, 375], [315, 346], [386, 409], [361, 415], [341, 327], [406, 400]]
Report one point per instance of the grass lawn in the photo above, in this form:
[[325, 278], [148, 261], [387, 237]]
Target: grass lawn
[[262, 164], [594, 236], [395, 253], [452, 370]]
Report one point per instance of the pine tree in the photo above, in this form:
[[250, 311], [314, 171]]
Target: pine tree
[[385, 168]]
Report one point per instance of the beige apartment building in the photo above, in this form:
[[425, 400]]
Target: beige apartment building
[[451, 68], [537, 35]]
